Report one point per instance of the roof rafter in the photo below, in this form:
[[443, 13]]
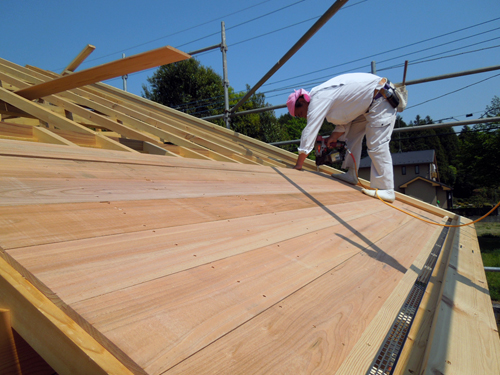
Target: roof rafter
[[132, 64]]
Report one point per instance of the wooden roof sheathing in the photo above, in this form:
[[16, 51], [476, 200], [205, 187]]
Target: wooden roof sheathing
[[213, 257]]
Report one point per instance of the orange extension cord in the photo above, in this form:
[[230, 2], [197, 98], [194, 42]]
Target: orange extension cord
[[408, 213]]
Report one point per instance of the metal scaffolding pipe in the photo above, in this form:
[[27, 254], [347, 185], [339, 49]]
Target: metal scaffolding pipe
[[256, 110], [205, 49], [414, 82], [223, 48], [492, 269], [416, 128], [319, 23], [451, 75], [446, 124]]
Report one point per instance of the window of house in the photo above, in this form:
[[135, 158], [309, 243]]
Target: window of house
[[403, 170], [417, 169]]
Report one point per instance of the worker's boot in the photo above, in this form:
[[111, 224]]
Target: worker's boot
[[349, 176], [386, 195]]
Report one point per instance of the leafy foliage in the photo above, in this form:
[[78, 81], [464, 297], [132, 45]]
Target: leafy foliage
[[443, 141], [186, 85], [197, 90], [263, 126], [479, 156]]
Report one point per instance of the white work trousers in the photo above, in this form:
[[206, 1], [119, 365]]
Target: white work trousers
[[377, 124]]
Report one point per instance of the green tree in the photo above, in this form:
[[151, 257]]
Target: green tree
[[478, 158], [186, 85], [263, 126], [443, 141], [199, 91], [292, 129]]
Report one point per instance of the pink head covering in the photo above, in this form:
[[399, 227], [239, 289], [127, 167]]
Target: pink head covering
[[290, 103]]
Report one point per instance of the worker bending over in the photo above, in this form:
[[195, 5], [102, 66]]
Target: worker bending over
[[355, 104]]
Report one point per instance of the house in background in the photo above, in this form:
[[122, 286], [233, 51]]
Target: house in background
[[416, 175]]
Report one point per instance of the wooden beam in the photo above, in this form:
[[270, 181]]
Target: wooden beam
[[134, 106], [50, 331], [464, 333], [41, 134], [86, 51], [186, 149], [58, 120], [67, 106], [16, 131], [132, 64], [219, 149], [8, 110], [9, 363]]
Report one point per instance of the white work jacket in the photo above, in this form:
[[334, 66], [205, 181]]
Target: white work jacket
[[339, 100]]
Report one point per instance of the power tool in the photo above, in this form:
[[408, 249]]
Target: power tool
[[328, 155]]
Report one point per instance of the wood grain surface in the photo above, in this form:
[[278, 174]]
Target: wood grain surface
[[167, 268]]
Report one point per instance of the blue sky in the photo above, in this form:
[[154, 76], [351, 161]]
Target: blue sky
[[437, 37]]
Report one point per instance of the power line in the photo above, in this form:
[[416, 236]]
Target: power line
[[491, 127], [178, 32], [425, 49], [420, 61], [306, 83], [289, 88], [289, 26], [452, 92], [388, 51], [243, 23], [398, 57]]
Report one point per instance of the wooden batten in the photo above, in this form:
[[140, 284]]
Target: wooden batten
[[85, 52]]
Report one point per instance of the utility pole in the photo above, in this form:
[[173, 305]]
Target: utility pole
[[223, 48], [124, 77]]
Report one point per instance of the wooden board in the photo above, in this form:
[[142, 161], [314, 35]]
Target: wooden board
[[51, 332], [132, 64], [206, 259], [465, 335], [75, 63]]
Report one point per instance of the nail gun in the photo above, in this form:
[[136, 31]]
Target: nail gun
[[328, 155]]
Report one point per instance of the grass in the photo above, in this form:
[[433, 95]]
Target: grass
[[488, 235]]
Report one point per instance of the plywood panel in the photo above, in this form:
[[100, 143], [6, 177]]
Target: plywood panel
[[273, 230], [109, 156]]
